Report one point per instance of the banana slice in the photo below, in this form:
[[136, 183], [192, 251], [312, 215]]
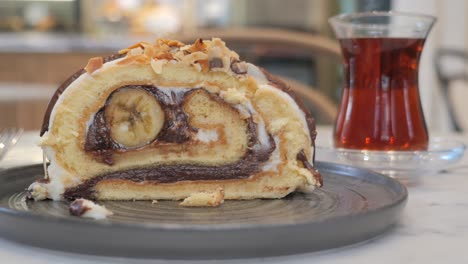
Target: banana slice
[[134, 117]]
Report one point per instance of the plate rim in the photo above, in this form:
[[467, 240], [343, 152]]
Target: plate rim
[[400, 198]]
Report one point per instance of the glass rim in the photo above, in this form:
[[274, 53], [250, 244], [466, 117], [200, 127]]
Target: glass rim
[[448, 145], [343, 19]]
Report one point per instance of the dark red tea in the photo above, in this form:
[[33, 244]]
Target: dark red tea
[[380, 106]]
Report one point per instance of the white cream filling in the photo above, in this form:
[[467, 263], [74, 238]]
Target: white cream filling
[[168, 90], [89, 122], [275, 159], [207, 135], [54, 188], [263, 137], [262, 134], [254, 72]]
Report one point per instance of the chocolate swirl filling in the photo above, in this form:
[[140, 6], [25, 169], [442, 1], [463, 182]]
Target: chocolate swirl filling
[[251, 163], [176, 128]]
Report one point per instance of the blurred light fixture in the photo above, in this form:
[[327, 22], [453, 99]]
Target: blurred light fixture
[[130, 5], [213, 12]]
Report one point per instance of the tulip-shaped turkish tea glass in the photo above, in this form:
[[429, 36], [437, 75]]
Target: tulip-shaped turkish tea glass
[[380, 106]]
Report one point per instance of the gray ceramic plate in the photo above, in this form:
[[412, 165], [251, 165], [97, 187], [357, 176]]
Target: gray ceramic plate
[[354, 205]]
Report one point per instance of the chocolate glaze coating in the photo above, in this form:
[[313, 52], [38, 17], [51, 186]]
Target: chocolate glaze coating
[[278, 83], [301, 156]]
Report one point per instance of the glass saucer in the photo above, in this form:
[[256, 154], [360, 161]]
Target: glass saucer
[[406, 166]]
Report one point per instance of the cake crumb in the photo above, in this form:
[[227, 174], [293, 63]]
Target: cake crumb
[[306, 189], [276, 126], [86, 208], [204, 199], [37, 191], [233, 96], [308, 176]]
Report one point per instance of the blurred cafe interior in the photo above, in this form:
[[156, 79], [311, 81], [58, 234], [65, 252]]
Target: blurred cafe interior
[[42, 42]]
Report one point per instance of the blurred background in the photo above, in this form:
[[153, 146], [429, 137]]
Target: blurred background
[[43, 42]]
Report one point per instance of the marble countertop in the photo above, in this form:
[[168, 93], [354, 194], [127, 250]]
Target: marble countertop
[[433, 228]]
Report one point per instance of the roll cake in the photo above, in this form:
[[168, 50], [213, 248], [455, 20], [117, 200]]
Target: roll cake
[[169, 121]]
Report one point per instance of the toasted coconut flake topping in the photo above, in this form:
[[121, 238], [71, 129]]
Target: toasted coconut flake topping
[[203, 55], [157, 65], [94, 64]]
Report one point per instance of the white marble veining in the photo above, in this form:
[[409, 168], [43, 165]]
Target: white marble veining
[[433, 228]]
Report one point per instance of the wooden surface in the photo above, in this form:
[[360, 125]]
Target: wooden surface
[[42, 68]]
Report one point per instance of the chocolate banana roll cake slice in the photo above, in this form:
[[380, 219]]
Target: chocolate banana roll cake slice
[[174, 121]]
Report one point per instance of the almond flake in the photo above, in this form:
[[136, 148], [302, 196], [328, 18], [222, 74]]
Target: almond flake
[[157, 65], [94, 64]]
